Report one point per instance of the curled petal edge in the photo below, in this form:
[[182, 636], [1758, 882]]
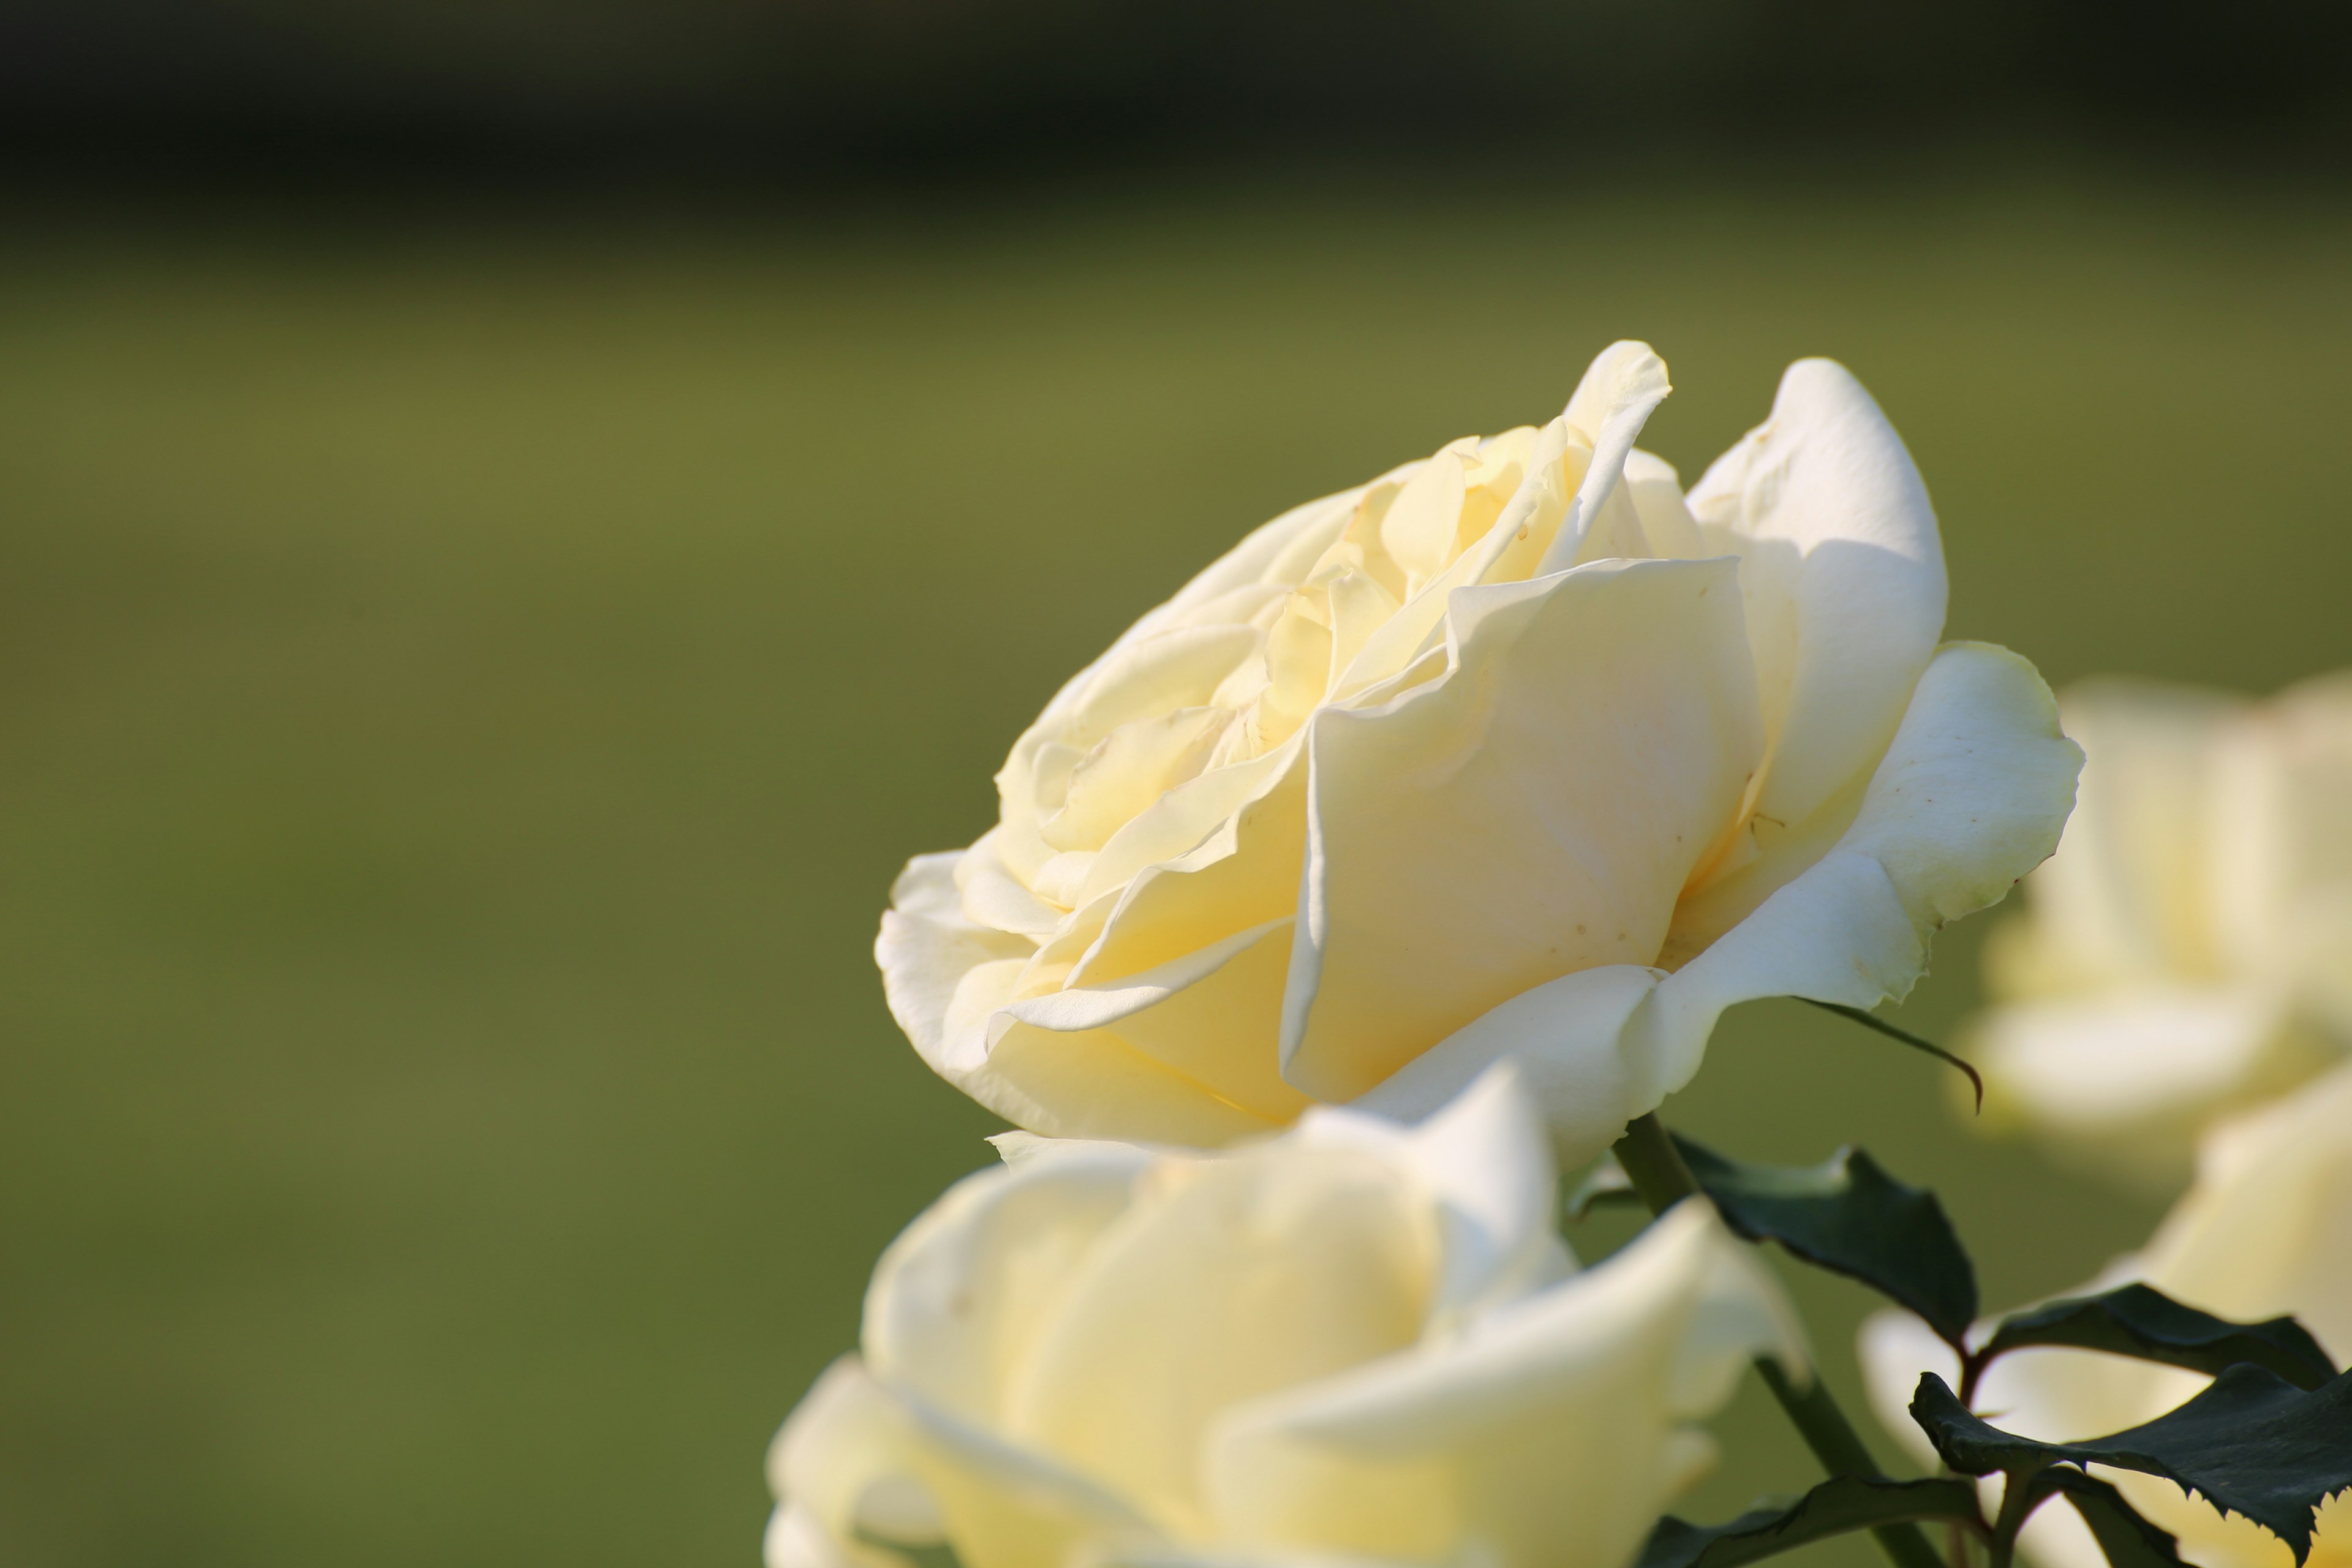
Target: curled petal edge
[[1971, 796]]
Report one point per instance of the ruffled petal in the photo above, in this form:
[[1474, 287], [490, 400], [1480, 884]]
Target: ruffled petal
[[1228, 1278], [1971, 796], [2132, 1076], [1551, 1430], [1844, 576], [958, 1297], [1484, 1160], [1533, 813], [1568, 1039]]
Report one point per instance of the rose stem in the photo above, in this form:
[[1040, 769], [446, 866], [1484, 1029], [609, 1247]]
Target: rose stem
[[1661, 1179]]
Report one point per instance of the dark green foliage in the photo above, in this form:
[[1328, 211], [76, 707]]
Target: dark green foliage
[[2127, 1540], [1848, 1215], [1837, 1507], [2137, 1320], [2252, 1444]]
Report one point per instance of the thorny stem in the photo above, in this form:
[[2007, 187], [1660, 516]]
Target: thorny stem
[[1661, 1179]]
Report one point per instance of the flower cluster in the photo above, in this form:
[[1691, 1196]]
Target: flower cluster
[[1407, 856]]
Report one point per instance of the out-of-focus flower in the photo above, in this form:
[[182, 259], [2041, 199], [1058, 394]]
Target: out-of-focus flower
[[2188, 951], [2265, 1232], [1355, 1340], [1514, 751]]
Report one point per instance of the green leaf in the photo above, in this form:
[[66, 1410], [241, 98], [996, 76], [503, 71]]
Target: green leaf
[[1872, 1021], [1848, 1215], [1837, 1507], [2137, 1320], [2127, 1540], [2252, 1444]]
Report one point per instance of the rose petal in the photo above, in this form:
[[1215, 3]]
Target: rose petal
[[958, 1297], [1566, 1037], [1491, 1436], [1842, 573], [1486, 1159], [1533, 813], [1233, 1277], [1969, 796]]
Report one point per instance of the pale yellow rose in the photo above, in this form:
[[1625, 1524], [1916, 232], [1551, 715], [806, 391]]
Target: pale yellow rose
[[1514, 751], [2265, 1232], [1355, 1340], [2188, 951]]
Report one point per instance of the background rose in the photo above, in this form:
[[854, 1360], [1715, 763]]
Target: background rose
[[1353, 1340], [2266, 1231], [2188, 949], [1513, 751]]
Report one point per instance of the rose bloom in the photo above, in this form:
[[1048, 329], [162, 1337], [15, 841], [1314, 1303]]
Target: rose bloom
[[2188, 951], [2265, 1232], [1354, 1340], [1515, 751]]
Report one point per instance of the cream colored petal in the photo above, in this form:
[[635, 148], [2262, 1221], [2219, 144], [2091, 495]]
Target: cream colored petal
[[927, 949], [2282, 838], [2131, 1077], [1484, 1160], [1212, 1016], [1179, 668], [1624, 383], [1005, 1505], [1843, 575], [1242, 872], [2268, 1226], [1128, 769], [1092, 1083], [1533, 813], [990, 895], [1418, 532], [2129, 897], [1969, 796], [1550, 1431], [1186, 818], [794, 1539], [842, 1467], [1567, 1040], [1052, 1065], [1668, 529], [958, 1298], [1232, 1278]]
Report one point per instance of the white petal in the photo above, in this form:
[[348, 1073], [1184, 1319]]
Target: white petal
[[927, 948], [1550, 1431], [1843, 575], [1230, 1277], [1209, 1016], [2283, 850], [1486, 1161], [1567, 1040], [841, 1466], [1624, 383], [1971, 796], [2133, 1075], [2268, 1227], [1533, 813]]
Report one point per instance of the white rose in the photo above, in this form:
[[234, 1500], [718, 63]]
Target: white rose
[[1514, 751], [1355, 1340], [2265, 1232], [2188, 951]]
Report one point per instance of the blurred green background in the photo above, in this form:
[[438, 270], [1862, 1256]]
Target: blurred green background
[[467, 684]]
